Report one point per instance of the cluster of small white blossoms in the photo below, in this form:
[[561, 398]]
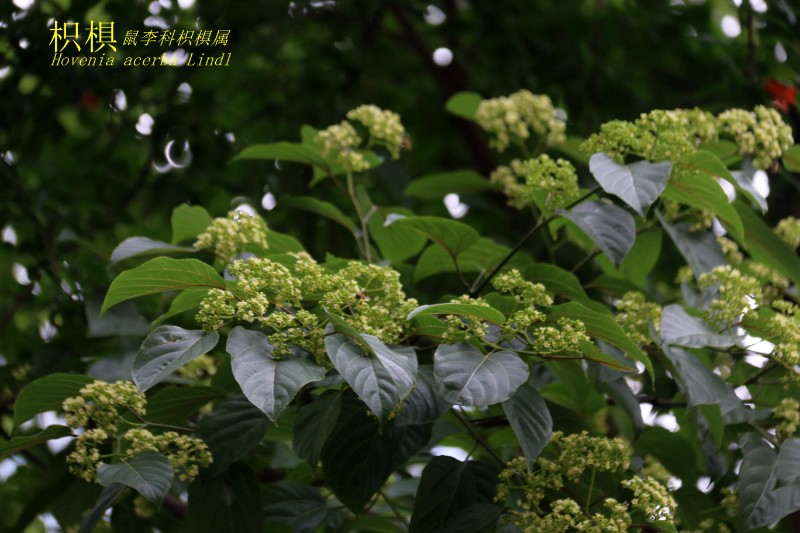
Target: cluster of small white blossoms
[[549, 183], [761, 133], [788, 414], [229, 236], [342, 144], [736, 294], [651, 497], [384, 127], [788, 230], [784, 329], [461, 328], [101, 406], [635, 314], [518, 117]]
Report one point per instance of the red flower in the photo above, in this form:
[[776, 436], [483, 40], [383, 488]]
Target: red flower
[[782, 95]]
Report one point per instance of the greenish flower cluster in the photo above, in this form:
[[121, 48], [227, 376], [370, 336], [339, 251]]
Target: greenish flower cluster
[[550, 183], [100, 406], [384, 127], [200, 368], [788, 229], [651, 497], [340, 143], [567, 337], [102, 403], [581, 452], [187, 455], [523, 291], [788, 413], [635, 316], [760, 133], [518, 117], [736, 294], [462, 328], [229, 236], [674, 212], [731, 250], [784, 329]]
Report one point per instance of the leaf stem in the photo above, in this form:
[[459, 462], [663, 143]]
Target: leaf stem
[[478, 438], [364, 232]]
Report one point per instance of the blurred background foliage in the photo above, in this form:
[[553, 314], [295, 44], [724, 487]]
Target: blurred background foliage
[[81, 170]]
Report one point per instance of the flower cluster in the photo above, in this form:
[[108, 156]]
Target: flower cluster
[[384, 127], [788, 229], [784, 327], [788, 412], [462, 328], [102, 403], [340, 143], [187, 455], [199, 368], [581, 452], [229, 236], [567, 337], [651, 497], [550, 183], [760, 133], [736, 294], [518, 117], [524, 292], [635, 316]]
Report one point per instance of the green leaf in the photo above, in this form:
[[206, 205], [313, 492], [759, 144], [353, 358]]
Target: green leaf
[[105, 501], [148, 473], [314, 423], [557, 280], [281, 243], [320, 207], [189, 221], [473, 519], [300, 506], [159, 275], [470, 378], [358, 456], [664, 526], [395, 243], [435, 186], [726, 151], [447, 488], [701, 250], [640, 261], [231, 430], [136, 246], [480, 312], [174, 405], [23, 442], [482, 256], [47, 394], [766, 247], [464, 104], [791, 158], [270, 384], [696, 186], [165, 350], [230, 502], [611, 228], [744, 179], [703, 387], [638, 185], [423, 405], [530, 420], [454, 237], [681, 329], [305, 153], [184, 301], [602, 326], [382, 380]]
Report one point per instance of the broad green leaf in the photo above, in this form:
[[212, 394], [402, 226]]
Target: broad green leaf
[[476, 518], [230, 502], [791, 158], [47, 394], [766, 247], [681, 329], [281, 243], [468, 377], [744, 179], [464, 104], [700, 250], [640, 261], [23, 442], [165, 350], [395, 243], [189, 221], [174, 405], [378, 524], [300, 506], [529, 417], [270, 384], [340, 325], [184, 301], [320, 207], [136, 246], [726, 151], [447, 487], [314, 423], [359, 456], [435, 186], [592, 353], [703, 387], [638, 184], [454, 237], [757, 478], [307, 154], [105, 501], [695, 185], [148, 473], [382, 380], [123, 320], [480, 312], [557, 280], [231, 430], [482, 256], [611, 228], [423, 405], [159, 275], [601, 326], [663, 526]]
